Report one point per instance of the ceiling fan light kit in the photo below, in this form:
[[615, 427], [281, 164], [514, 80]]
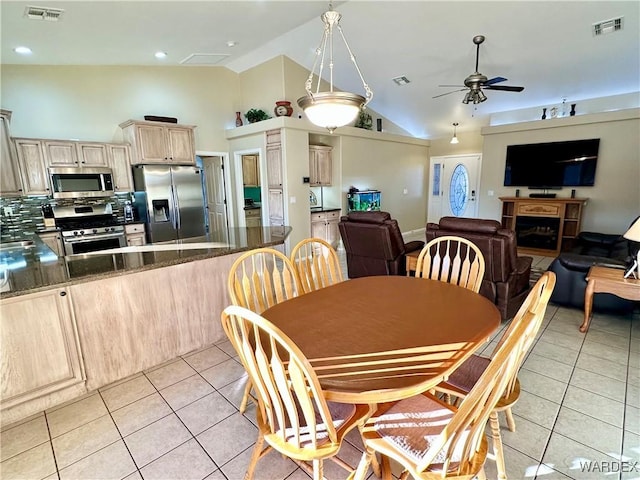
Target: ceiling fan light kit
[[476, 82], [332, 109]]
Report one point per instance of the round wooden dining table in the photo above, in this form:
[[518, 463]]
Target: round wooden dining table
[[384, 338]]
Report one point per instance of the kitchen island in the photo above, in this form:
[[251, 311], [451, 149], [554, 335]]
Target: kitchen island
[[102, 317]]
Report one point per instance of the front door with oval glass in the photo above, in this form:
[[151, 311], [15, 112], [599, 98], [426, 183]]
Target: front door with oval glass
[[453, 186]]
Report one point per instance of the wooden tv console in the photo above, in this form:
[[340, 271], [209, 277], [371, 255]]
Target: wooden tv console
[[544, 226]]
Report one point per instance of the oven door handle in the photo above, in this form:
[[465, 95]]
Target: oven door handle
[[72, 240]]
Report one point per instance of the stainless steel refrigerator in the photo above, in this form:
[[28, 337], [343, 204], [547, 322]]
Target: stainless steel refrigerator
[[170, 200]]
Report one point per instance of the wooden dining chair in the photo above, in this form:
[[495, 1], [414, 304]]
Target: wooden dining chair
[[453, 260], [293, 416], [259, 279], [317, 264], [432, 439], [465, 377]]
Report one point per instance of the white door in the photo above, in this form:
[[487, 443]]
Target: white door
[[454, 184], [216, 199]]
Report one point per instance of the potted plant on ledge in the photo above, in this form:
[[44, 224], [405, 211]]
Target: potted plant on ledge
[[256, 115]]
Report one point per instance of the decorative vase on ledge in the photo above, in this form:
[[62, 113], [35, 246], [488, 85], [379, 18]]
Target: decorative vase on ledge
[[573, 110], [238, 119], [544, 113]]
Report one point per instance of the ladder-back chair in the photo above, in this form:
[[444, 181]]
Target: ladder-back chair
[[317, 264], [293, 416], [453, 260], [259, 279]]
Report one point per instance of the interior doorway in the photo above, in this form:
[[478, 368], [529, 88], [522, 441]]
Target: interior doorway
[[216, 197], [454, 186]]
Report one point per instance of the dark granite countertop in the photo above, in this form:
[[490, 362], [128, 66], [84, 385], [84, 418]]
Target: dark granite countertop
[[324, 209], [37, 267]]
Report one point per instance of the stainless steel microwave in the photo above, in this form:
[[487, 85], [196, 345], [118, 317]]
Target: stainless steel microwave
[[81, 182]]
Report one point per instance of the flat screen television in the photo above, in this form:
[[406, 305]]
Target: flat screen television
[[552, 165]]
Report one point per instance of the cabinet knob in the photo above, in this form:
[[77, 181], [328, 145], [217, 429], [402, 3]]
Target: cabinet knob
[[63, 293]]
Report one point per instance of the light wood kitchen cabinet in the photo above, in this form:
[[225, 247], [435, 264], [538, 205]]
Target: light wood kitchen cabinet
[[320, 165], [39, 345], [157, 142], [60, 153], [33, 169], [119, 157], [274, 166], [250, 171], [53, 240], [275, 197], [135, 234], [324, 225], [276, 207], [92, 154], [10, 177]]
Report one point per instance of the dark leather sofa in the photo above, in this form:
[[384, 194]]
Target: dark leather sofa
[[571, 269], [374, 245], [506, 277]]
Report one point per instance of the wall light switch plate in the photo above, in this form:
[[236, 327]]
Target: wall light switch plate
[[490, 193], [292, 199]]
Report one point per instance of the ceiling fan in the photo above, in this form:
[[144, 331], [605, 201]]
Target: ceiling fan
[[476, 82]]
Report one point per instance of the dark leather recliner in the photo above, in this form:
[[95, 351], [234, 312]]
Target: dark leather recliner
[[374, 245], [506, 276]]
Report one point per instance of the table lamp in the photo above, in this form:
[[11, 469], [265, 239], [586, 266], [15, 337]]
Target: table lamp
[[633, 234]]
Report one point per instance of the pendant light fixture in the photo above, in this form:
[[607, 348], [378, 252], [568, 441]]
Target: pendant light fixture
[[454, 139], [331, 109]]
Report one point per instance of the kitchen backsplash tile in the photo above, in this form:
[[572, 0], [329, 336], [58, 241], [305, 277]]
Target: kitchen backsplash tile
[[26, 213]]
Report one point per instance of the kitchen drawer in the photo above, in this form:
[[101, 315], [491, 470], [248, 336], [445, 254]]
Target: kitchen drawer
[[315, 217], [135, 228], [252, 212], [333, 215]]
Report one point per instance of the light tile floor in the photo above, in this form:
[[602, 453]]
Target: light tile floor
[[580, 406]]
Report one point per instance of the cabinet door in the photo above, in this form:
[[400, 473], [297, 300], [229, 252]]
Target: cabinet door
[[324, 166], [151, 144], [120, 163], [60, 153], [32, 166], [92, 154], [250, 171], [274, 166], [333, 231], [181, 145], [276, 207], [39, 345], [136, 240], [313, 168], [318, 226], [54, 242], [10, 177]]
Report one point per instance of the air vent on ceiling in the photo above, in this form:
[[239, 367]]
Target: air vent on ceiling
[[204, 58], [43, 13], [607, 26], [401, 80]]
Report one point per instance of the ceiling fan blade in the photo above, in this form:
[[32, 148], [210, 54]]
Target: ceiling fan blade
[[452, 86], [506, 88], [448, 93], [493, 80]]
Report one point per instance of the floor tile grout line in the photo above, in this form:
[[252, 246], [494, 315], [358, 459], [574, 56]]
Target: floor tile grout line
[[564, 394]]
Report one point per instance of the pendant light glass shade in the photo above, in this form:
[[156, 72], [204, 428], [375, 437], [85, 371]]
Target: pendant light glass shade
[[454, 139], [331, 109]]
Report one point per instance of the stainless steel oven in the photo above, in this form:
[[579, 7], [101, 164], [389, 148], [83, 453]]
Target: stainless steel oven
[[76, 243], [88, 228]]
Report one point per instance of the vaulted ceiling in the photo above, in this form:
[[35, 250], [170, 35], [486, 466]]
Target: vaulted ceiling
[[547, 47]]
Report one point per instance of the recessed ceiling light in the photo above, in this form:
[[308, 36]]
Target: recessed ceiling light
[[232, 43], [160, 54], [22, 50]]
